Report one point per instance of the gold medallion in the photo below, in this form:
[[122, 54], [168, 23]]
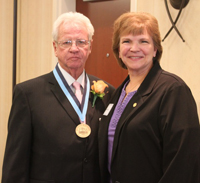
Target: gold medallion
[[83, 130]]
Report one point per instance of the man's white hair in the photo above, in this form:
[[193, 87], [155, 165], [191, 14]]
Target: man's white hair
[[72, 17]]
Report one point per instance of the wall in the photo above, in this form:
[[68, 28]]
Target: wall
[[35, 21], [181, 58], [6, 38], [34, 38]]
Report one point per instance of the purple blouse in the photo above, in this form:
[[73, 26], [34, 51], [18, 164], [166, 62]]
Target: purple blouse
[[121, 105]]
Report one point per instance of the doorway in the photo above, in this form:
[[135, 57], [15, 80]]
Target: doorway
[[102, 15]]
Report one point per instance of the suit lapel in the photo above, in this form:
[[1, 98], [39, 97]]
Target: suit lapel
[[103, 132], [65, 103], [91, 110], [129, 112], [62, 99], [136, 102]]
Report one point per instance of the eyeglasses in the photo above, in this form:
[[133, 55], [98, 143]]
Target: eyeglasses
[[81, 43]]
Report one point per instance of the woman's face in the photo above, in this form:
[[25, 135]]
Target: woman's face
[[137, 52]]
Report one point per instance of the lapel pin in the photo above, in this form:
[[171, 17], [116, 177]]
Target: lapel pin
[[135, 104]]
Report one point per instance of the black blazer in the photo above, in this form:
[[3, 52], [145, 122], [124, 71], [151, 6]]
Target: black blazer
[[42, 146], [157, 139]]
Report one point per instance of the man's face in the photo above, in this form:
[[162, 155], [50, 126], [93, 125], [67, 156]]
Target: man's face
[[73, 58]]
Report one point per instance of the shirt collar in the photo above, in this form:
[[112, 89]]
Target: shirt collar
[[69, 79]]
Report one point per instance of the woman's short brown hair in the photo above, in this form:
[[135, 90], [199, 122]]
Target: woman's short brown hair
[[136, 23]]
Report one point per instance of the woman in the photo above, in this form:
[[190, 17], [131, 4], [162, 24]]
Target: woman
[[153, 133]]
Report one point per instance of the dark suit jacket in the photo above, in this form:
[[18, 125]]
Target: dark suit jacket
[[42, 146], [157, 139]]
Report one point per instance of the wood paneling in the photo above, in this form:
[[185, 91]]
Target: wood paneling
[[102, 14]]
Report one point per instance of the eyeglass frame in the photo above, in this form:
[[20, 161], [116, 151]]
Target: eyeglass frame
[[87, 42]]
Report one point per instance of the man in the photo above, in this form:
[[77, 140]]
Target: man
[[52, 136]]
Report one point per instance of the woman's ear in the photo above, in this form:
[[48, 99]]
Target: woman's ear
[[119, 53], [155, 51]]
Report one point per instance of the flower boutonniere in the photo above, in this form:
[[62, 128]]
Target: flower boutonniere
[[98, 90]]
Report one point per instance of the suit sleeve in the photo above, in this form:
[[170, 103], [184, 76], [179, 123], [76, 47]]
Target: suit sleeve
[[181, 136], [17, 152]]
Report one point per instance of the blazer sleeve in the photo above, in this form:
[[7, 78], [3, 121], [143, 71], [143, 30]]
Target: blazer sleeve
[[17, 152], [181, 136]]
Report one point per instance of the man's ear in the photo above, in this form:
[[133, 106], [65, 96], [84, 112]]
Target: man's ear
[[91, 43], [55, 48]]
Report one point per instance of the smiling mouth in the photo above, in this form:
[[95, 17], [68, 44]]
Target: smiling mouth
[[135, 57]]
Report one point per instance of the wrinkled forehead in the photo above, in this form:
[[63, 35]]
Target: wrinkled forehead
[[74, 24], [73, 28]]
